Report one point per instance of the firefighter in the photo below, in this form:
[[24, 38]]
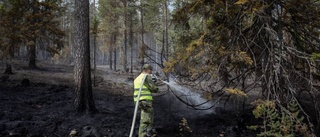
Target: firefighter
[[145, 101]]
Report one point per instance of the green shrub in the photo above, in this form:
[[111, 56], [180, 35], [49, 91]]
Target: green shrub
[[278, 121]]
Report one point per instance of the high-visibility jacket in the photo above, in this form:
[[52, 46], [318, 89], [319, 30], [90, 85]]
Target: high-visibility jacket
[[145, 93]]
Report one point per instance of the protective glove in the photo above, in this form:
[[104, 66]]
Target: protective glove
[[143, 104], [153, 78]]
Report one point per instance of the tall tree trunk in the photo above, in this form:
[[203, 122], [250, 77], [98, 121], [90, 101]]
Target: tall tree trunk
[[110, 58], [10, 55], [71, 52], [115, 53], [84, 99], [95, 31], [166, 28], [162, 56], [115, 59], [111, 51], [103, 57], [114, 41], [124, 61], [94, 59], [32, 49], [142, 31], [166, 35], [131, 42], [71, 35], [32, 56], [12, 48]]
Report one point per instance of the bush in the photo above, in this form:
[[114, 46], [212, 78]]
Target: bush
[[279, 121]]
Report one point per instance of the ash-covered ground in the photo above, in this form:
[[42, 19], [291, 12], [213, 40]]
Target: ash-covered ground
[[44, 107]]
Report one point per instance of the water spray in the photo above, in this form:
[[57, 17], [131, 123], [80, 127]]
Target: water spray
[[190, 97], [198, 100]]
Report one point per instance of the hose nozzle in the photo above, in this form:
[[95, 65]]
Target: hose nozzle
[[155, 78]]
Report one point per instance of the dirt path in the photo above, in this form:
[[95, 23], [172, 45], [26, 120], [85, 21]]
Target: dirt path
[[45, 108]]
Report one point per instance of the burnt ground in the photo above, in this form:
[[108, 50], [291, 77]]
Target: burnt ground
[[45, 108]]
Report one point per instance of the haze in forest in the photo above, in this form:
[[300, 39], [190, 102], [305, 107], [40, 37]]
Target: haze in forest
[[253, 64]]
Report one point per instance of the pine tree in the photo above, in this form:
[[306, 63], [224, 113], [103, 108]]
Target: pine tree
[[27, 22], [245, 43], [109, 11], [82, 75]]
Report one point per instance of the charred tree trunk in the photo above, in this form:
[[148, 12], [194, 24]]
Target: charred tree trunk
[[84, 99], [110, 58], [114, 52], [166, 30], [125, 62], [162, 56], [94, 59], [95, 35], [12, 48], [131, 42], [142, 36], [33, 39], [11, 51], [103, 58], [32, 56], [115, 59]]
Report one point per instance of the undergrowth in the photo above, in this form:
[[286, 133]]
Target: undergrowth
[[279, 121]]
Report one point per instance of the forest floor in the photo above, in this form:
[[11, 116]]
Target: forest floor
[[45, 107]]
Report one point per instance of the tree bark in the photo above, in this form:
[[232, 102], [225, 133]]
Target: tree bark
[[142, 36], [124, 61], [166, 35], [166, 29], [95, 34], [84, 101], [131, 41], [114, 41], [94, 59], [32, 56], [110, 58], [32, 49], [11, 48], [115, 59]]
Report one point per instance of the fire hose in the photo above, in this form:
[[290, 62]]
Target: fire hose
[[154, 78], [136, 107]]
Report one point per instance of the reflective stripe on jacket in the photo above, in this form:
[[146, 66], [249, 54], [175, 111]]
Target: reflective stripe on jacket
[[145, 93]]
